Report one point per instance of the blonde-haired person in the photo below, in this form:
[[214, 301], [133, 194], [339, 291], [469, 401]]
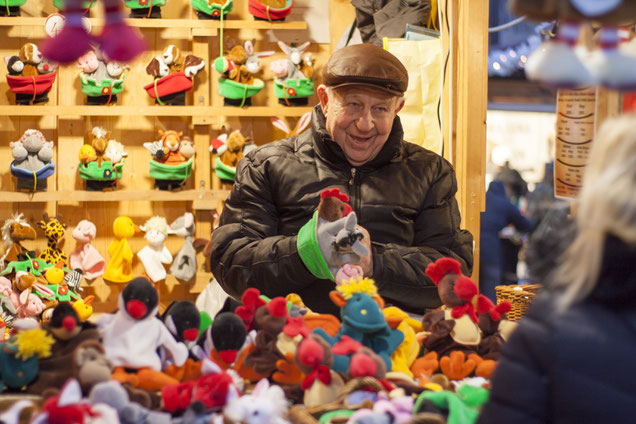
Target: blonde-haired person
[[571, 360]]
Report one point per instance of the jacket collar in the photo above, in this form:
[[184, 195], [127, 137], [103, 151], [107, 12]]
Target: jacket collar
[[329, 151]]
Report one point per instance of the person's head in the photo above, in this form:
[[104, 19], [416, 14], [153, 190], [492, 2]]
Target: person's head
[[362, 94], [606, 206]]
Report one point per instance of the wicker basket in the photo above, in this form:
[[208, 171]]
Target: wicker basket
[[519, 297]]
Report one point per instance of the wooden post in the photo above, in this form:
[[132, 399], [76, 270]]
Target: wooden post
[[465, 28]]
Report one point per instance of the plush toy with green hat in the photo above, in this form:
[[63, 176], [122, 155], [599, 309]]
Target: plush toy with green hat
[[332, 237]]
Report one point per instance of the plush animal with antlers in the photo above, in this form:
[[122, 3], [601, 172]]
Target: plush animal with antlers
[[54, 231], [15, 230]]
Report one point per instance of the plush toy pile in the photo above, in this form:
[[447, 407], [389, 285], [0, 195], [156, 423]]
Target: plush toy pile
[[257, 361], [29, 75]]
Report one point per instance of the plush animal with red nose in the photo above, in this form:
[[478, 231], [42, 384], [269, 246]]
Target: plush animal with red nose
[[183, 320], [133, 335], [65, 323]]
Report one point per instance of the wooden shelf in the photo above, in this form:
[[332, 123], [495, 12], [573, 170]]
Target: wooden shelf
[[199, 27], [151, 111], [202, 198]]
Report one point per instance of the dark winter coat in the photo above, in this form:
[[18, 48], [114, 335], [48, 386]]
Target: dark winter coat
[[577, 367], [499, 214], [377, 19], [404, 197]]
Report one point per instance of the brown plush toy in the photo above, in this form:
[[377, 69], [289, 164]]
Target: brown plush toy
[[269, 321], [234, 153], [454, 328]]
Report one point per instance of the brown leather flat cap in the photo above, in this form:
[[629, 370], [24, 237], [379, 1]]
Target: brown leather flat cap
[[366, 64]]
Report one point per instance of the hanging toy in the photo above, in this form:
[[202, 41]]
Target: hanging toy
[[270, 10], [101, 79], [29, 75], [155, 254], [293, 83], [558, 63], [172, 159], [212, 9], [238, 67], [173, 74], [118, 40]]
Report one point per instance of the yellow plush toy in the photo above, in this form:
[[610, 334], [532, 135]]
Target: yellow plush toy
[[119, 268]]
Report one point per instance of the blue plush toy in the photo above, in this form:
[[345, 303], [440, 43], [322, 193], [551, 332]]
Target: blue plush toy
[[19, 356], [362, 321]]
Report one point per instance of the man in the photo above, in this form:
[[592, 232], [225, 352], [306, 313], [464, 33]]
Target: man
[[401, 193]]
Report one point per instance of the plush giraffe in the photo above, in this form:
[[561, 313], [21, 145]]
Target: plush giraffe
[[54, 231]]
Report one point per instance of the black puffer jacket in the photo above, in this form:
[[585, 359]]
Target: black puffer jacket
[[577, 367], [404, 197]]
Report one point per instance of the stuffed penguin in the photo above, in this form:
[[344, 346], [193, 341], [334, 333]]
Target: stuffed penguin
[[132, 335]]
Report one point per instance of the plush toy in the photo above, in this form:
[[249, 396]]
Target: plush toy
[[171, 163], [86, 257], [293, 83], [362, 322], [118, 41], [133, 334], [269, 321], [184, 266], [332, 231], [270, 10], [53, 231], [557, 62], [68, 408], [182, 319], [226, 337], [14, 231], [112, 393], [155, 255], [301, 125], [314, 358], [76, 353], [213, 390], [29, 75], [266, 404], [212, 9], [456, 327], [11, 7], [84, 308], [119, 268], [145, 9], [32, 163], [101, 79], [230, 148], [19, 355], [238, 67], [173, 72]]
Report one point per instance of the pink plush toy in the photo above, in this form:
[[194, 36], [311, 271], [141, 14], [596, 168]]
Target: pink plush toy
[[118, 41], [85, 256], [27, 304]]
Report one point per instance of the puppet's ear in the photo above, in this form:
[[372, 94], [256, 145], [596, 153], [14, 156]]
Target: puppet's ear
[[337, 298]]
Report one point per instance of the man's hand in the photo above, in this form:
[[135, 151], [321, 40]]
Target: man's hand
[[366, 262]]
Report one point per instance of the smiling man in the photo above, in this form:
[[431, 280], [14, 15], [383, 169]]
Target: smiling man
[[403, 194]]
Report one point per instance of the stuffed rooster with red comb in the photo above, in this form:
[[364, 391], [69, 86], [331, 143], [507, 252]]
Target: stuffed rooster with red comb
[[456, 327]]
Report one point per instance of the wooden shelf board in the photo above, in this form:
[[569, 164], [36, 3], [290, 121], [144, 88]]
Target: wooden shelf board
[[168, 23], [152, 111], [211, 196]]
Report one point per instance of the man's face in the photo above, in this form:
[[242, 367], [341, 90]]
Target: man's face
[[359, 119]]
